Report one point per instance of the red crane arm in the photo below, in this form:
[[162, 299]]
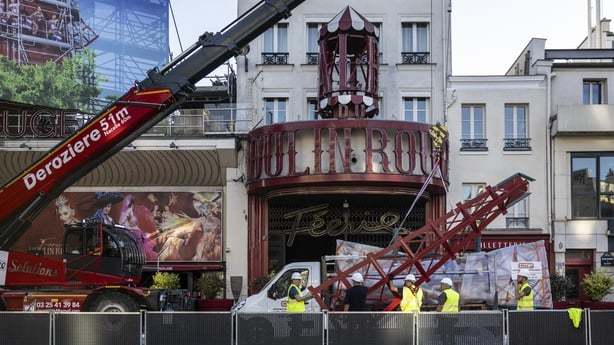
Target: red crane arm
[[441, 240]]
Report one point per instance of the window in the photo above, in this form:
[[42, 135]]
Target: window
[[73, 242], [415, 49], [275, 110], [415, 37], [473, 128], [516, 132], [517, 215], [592, 198], [416, 109], [280, 288], [471, 190], [312, 108], [313, 35], [275, 50], [592, 92]]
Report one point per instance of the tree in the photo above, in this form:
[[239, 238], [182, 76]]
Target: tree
[[69, 84]]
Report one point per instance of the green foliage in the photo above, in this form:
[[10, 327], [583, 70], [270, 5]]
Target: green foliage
[[69, 84], [210, 284], [166, 280], [560, 286], [597, 285]]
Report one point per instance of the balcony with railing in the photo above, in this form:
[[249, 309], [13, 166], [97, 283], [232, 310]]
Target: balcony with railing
[[275, 58], [313, 58], [584, 119], [228, 119], [517, 222], [516, 144], [473, 145], [415, 58]]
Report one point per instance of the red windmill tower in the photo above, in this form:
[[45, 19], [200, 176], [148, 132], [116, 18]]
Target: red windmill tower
[[348, 81]]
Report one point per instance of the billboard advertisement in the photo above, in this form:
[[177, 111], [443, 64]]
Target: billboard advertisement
[[172, 226]]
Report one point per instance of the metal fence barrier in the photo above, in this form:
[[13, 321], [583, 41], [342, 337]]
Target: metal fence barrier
[[97, 328], [601, 324], [370, 328], [545, 327], [179, 328], [17, 328], [334, 328], [473, 328], [280, 328]]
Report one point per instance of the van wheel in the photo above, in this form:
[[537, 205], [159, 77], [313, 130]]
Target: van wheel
[[114, 302]]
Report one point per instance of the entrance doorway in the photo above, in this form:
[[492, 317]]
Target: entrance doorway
[[305, 228], [578, 264]]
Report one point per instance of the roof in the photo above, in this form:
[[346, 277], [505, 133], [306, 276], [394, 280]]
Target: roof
[[349, 20]]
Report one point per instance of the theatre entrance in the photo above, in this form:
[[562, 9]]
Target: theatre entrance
[[305, 228]]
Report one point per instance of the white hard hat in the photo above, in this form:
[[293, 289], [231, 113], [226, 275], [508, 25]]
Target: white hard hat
[[524, 273], [410, 277], [357, 277], [447, 281], [296, 276]]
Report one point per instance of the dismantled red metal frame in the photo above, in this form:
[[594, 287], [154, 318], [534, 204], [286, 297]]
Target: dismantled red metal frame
[[440, 240]]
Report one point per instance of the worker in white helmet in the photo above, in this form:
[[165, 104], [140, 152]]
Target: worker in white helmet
[[296, 298], [449, 300], [411, 295], [356, 296], [524, 293]]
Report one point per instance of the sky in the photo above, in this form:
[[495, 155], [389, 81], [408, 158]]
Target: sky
[[487, 35]]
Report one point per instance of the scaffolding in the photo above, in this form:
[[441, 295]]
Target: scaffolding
[[37, 31], [133, 38]]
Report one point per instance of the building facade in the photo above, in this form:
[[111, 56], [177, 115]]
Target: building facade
[[311, 181], [497, 127]]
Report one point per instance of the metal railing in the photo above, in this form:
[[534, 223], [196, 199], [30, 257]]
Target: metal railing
[[275, 58], [473, 145], [318, 328], [202, 122], [182, 123], [517, 222], [516, 144], [415, 58], [313, 58]]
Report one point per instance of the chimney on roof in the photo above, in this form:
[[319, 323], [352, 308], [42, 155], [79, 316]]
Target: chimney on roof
[[590, 25], [598, 28]]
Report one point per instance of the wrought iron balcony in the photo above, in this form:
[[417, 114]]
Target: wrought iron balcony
[[415, 58], [275, 58], [313, 58], [473, 145], [516, 144], [517, 222]]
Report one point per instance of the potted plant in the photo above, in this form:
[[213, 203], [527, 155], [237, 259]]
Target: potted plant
[[259, 283], [596, 286], [166, 281], [211, 287], [560, 286]]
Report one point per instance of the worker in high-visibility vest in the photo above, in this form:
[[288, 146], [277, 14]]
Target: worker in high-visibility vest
[[524, 293], [449, 299], [296, 298], [411, 295]]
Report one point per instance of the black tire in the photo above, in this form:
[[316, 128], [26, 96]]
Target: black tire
[[114, 302]]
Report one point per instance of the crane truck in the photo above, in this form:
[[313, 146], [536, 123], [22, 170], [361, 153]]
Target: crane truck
[[102, 264]]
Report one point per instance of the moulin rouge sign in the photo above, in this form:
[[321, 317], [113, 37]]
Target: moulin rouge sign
[[39, 123], [350, 147]]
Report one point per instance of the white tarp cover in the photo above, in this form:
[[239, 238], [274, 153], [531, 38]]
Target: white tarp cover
[[482, 277]]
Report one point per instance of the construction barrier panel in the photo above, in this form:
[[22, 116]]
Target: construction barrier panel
[[465, 328], [545, 327], [280, 328], [601, 326], [370, 328], [20, 328], [97, 328], [187, 328]]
